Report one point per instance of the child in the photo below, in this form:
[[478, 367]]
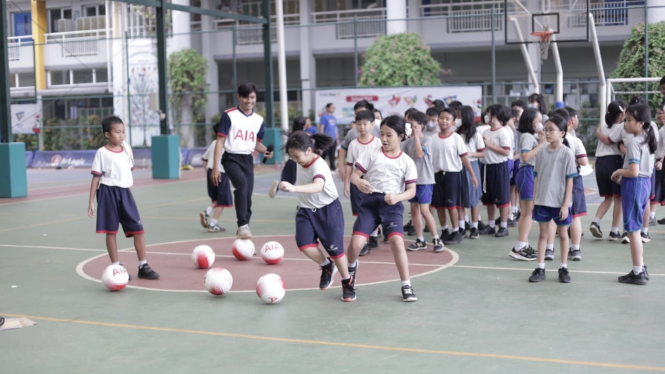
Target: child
[[660, 157], [366, 142], [635, 179], [320, 216], [220, 194], [389, 178], [111, 180], [449, 155], [311, 130], [475, 147], [513, 163], [609, 160], [537, 101], [554, 172], [419, 148], [531, 142], [496, 184], [455, 107], [432, 127], [289, 170]]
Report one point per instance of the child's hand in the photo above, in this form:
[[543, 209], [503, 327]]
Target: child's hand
[[541, 137], [474, 182], [417, 130], [287, 187], [91, 211], [486, 139], [659, 165], [616, 177], [365, 187], [564, 213], [390, 199], [347, 191]]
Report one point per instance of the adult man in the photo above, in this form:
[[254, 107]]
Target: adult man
[[328, 126]]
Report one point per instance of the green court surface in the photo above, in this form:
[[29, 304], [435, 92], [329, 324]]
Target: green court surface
[[479, 315]]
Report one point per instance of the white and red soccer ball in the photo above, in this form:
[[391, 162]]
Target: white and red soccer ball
[[218, 281], [272, 253], [115, 277], [271, 288], [203, 257], [243, 249]]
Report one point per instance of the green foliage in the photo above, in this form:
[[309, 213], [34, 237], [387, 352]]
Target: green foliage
[[631, 62], [399, 60], [187, 75], [82, 133], [30, 141]]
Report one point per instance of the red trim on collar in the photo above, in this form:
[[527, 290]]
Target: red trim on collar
[[110, 150], [446, 137], [384, 153], [371, 140], [313, 161]]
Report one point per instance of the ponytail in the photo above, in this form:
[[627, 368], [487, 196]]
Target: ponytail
[[651, 139], [300, 140], [321, 142], [614, 111]]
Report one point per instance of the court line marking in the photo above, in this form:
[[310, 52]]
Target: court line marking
[[46, 247], [43, 223], [550, 270], [346, 345]]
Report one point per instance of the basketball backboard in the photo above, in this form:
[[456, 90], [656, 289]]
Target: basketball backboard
[[567, 19]]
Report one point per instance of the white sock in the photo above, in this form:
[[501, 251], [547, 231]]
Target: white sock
[[638, 269], [491, 223], [575, 246], [435, 237], [466, 218], [615, 230], [474, 225], [550, 246], [354, 265], [504, 225], [141, 263], [645, 230], [521, 244], [325, 263], [462, 224], [444, 228], [596, 220], [513, 209], [421, 238], [116, 263], [375, 233], [406, 283], [213, 222], [209, 210], [565, 266], [541, 265], [652, 214]]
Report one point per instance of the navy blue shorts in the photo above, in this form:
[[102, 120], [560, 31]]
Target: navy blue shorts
[[605, 166], [116, 205], [325, 225], [470, 194], [289, 172], [423, 194], [635, 192], [579, 200], [496, 187], [544, 214], [658, 189], [356, 198], [447, 190], [220, 194], [374, 211], [525, 182], [513, 172], [653, 183]]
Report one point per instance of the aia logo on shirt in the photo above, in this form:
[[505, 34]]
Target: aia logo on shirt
[[245, 135]]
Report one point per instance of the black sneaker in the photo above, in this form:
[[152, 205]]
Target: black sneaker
[[408, 225], [348, 292], [438, 245], [411, 232], [487, 230], [614, 237], [130, 276], [408, 294], [646, 273], [537, 275], [595, 230], [454, 238], [462, 231], [373, 242], [352, 274], [661, 221], [574, 254], [146, 272], [365, 250], [473, 233], [417, 245], [625, 239], [327, 275], [503, 231], [645, 237], [467, 225], [512, 222], [549, 254], [524, 254], [481, 225], [632, 278], [518, 215], [564, 277], [445, 234]]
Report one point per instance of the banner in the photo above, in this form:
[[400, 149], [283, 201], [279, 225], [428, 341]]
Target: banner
[[396, 100], [28, 158], [83, 159], [25, 118]]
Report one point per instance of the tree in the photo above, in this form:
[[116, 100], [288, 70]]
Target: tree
[[187, 76], [399, 60]]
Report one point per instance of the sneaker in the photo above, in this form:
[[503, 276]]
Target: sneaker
[[481, 225], [503, 231], [645, 237], [512, 222], [537, 275], [462, 232], [454, 238], [661, 221], [445, 234], [632, 278], [408, 294], [595, 230], [411, 232], [373, 242], [564, 277], [215, 228], [549, 254], [625, 239], [614, 237], [473, 233], [130, 276], [438, 245], [327, 275], [646, 273], [348, 292], [408, 225], [574, 254], [244, 232], [518, 215], [417, 245], [365, 250], [653, 221], [273, 189], [352, 274], [204, 219], [146, 272], [524, 254], [487, 230]]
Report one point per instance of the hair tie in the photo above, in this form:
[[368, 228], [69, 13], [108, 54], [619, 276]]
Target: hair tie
[[621, 108]]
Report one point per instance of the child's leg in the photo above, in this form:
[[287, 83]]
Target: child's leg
[[490, 214], [542, 242], [454, 218], [112, 247], [429, 220], [604, 207], [442, 217], [636, 248], [342, 265], [415, 218], [139, 244], [526, 221], [217, 212], [505, 212], [357, 243], [401, 260], [563, 243], [475, 213], [314, 254], [551, 236], [576, 231], [616, 213], [645, 219]]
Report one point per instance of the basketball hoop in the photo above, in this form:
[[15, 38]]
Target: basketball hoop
[[544, 42]]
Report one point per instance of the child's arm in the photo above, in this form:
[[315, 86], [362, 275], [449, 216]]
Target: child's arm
[[362, 184], [496, 148], [467, 165], [418, 146], [632, 172], [408, 194], [216, 175], [93, 189], [605, 139], [566, 200], [347, 178], [527, 156], [315, 187]]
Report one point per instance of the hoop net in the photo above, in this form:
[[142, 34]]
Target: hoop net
[[544, 42]]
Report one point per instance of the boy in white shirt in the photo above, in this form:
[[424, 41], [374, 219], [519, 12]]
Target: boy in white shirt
[[220, 194]]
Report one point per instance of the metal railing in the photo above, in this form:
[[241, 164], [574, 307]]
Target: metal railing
[[14, 44], [77, 43], [248, 34], [434, 10], [368, 22], [605, 14], [474, 20]]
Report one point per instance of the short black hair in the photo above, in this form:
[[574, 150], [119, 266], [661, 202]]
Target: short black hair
[[514, 113], [455, 105], [526, 121], [377, 111], [328, 105], [409, 111], [433, 112], [365, 115], [299, 123], [571, 111], [518, 103], [451, 111], [247, 88], [438, 104], [363, 104], [662, 81], [109, 121], [561, 112], [637, 100], [419, 117]]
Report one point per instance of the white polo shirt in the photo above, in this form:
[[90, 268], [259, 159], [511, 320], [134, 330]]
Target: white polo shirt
[[387, 174], [241, 131], [318, 168], [114, 167], [500, 138], [357, 148], [209, 154], [447, 152]]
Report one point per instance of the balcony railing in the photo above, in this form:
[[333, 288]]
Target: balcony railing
[[14, 44], [248, 34], [605, 14], [77, 43]]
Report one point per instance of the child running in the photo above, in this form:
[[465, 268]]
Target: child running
[[390, 177], [320, 216], [289, 170], [475, 147], [554, 172], [111, 179], [220, 194], [635, 179]]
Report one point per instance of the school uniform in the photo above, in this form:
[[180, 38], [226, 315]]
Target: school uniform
[[659, 196], [356, 149], [626, 138], [525, 177], [481, 161], [496, 184], [608, 160], [320, 216], [386, 175], [511, 156], [115, 202], [424, 168], [447, 153], [353, 134], [516, 162], [240, 133], [470, 194], [220, 194], [578, 207], [636, 191], [553, 168]]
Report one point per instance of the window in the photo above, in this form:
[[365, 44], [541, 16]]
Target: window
[[76, 77], [94, 11], [57, 21], [102, 75], [82, 76]]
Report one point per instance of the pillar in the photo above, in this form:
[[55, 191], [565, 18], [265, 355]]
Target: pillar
[[39, 17], [307, 61], [396, 16], [208, 44]]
